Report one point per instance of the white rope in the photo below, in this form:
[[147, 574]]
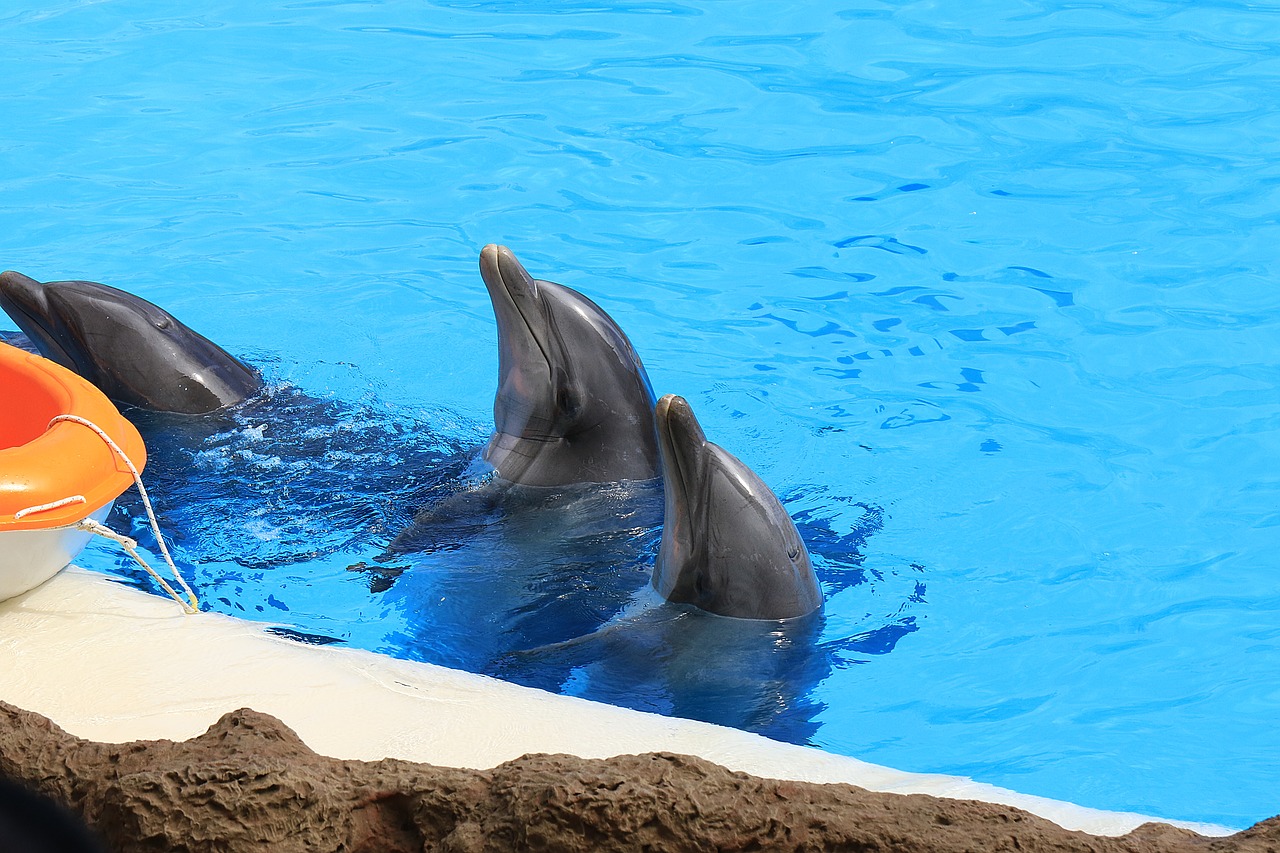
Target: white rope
[[88, 525], [91, 526], [31, 510]]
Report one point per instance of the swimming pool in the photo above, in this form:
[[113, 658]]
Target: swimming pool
[[984, 291]]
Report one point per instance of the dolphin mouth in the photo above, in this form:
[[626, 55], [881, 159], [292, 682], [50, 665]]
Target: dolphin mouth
[[681, 444], [682, 439], [20, 296], [24, 300], [511, 289], [527, 335], [504, 275], [500, 263]]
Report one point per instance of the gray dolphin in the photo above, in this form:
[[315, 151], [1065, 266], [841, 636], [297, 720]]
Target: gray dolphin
[[574, 404], [728, 546], [134, 352]]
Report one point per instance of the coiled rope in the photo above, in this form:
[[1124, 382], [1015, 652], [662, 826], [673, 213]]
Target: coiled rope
[[88, 525]]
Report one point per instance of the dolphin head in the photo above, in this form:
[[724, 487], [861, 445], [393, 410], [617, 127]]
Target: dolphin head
[[134, 352], [574, 403], [728, 546]]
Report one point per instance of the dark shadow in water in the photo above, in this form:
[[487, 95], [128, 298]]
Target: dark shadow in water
[[539, 566], [755, 675], [553, 592], [285, 478]]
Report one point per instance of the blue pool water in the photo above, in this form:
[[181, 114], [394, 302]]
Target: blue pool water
[[986, 291]]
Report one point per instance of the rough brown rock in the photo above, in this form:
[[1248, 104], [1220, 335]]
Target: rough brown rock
[[250, 784]]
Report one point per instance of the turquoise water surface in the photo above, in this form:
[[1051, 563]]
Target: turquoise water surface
[[986, 291]]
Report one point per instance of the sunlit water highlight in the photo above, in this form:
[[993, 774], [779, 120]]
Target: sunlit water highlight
[[984, 290]]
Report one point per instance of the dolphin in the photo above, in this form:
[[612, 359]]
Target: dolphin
[[574, 404], [136, 353], [728, 546]]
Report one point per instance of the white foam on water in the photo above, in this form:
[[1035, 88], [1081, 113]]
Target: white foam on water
[[110, 663]]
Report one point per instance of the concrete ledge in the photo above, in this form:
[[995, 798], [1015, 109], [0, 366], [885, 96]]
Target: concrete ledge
[[109, 663]]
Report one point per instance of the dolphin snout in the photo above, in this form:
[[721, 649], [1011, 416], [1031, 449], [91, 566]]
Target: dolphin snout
[[682, 445], [676, 421], [515, 299], [500, 268], [22, 297], [17, 285], [489, 259]]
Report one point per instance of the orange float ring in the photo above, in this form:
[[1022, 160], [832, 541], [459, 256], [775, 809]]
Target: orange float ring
[[42, 464]]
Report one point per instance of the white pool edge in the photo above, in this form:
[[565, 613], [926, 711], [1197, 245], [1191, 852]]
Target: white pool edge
[[110, 663]]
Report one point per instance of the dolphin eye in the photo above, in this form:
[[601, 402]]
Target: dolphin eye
[[794, 552], [163, 323], [566, 400]]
